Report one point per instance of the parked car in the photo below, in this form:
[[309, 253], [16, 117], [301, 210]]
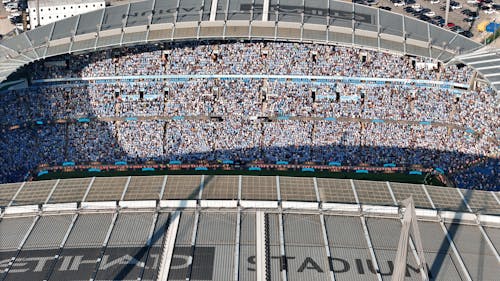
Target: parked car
[[434, 1], [456, 7], [11, 6], [409, 9], [372, 2], [430, 14], [424, 18], [399, 4], [490, 11], [457, 29], [450, 25], [386, 8], [467, 34]]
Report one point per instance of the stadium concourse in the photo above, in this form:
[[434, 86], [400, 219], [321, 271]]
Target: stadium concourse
[[240, 228]]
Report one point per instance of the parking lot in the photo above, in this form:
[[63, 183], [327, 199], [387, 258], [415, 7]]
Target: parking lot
[[5, 25], [455, 16]]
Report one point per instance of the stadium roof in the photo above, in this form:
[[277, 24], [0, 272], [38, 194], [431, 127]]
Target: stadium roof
[[299, 20], [266, 188], [239, 228], [486, 61]]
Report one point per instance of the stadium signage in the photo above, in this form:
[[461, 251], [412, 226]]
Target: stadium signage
[[337, 265], [80, 262], [313, 11]]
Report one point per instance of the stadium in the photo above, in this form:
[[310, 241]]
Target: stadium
[[248, 140]]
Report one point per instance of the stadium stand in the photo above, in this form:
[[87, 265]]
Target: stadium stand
[[159, 102]]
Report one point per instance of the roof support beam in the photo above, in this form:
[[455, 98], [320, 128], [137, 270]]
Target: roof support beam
[[404, 36], [98, 29], [52, 191], [379, 29], [392, 193], [237, 246], [124, 24], [353, 24], [48, 39], [88, 189], [193, 243], [478, 69], [265, 11], [260, 244], [150, 242], [325, 242], [168, 246], [409, 223], [354, 191], [284, 269], [479, 61], [213, 10], [162, 191], [125, 188], [73, 33], [21, 188], [429, 40], [496, 197], [202, 186], [455, 251], [428, 196], [105, 244], [370, 248], [473, 55]]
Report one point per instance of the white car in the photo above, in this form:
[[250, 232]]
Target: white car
[[456, 7], [490, 11], [399, 4], [436, 1], [430, 14], [5, 2], [416, 6], [472, 1], [11, 6]]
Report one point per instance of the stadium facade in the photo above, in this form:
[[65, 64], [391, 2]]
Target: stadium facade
[[240, 228], [326, 22]]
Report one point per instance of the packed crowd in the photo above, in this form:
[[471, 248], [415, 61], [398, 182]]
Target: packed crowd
[[476, 110], [239, 134], [246, 58]]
